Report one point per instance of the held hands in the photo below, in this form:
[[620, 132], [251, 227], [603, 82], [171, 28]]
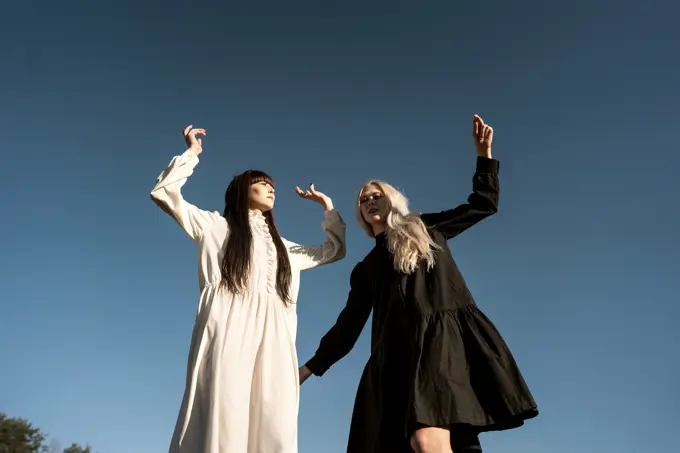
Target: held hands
[[483, 136], [316, 196], [193, 143], [304, 373]]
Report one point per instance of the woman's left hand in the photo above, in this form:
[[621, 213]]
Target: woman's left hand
[[314, 195], [483, 136], [305, 373]]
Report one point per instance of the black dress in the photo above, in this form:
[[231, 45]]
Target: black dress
[[436, 359]]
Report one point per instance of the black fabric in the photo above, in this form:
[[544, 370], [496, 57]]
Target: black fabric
[[436, 359]]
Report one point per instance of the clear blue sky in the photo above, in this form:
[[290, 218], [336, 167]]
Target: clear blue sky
[[98, 287]]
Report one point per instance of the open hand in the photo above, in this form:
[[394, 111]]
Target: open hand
[[194, 143], [314, 195], [483, 136]]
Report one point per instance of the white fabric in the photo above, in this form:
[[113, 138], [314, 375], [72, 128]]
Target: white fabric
[[242, 387]]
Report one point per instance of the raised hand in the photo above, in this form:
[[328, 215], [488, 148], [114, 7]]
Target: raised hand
[[316, 196], [483, 136], [194, 143]]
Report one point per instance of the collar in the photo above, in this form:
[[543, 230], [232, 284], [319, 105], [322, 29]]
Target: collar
[[381, 239]]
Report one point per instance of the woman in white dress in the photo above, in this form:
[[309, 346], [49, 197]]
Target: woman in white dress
[[242, 386]]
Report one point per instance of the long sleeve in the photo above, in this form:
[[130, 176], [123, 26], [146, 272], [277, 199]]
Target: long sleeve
[[342, 337], [482, 202], [333, 249], [167, 194]]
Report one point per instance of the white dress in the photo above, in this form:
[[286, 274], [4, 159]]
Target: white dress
[[242, 386]]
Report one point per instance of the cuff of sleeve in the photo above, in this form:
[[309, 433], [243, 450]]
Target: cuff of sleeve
[[487, 165], [315, 367], [189, 155], [331, 216]]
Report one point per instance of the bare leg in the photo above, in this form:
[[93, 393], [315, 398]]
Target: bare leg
[[431, 439]]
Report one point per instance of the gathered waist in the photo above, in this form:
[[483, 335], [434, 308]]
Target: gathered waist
[[217, 286]]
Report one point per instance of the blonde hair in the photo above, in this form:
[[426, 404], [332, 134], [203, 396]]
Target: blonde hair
[[407, 236]]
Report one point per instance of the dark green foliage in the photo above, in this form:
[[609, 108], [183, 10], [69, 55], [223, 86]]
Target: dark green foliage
[[18, 435]]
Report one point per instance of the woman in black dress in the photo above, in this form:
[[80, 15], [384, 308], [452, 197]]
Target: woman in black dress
[[439, 372]]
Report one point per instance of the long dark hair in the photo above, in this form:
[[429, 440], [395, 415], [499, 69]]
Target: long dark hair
[[237, 256]]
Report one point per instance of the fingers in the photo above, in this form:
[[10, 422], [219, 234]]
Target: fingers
[[488, 133], [303, 194], [482, 132], [477, 126], [307, 193], [190, 132]]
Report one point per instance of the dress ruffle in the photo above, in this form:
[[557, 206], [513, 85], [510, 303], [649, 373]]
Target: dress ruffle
[[259, 226], [464, 360]]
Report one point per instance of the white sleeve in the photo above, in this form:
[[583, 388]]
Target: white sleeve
[[167, 194], [333, 249]]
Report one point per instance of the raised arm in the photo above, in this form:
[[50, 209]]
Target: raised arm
[[334, 247], [483, 201], [342, 337], [167, 193]]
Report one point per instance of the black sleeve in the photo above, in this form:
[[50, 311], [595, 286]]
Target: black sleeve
[[342, 337], [482, 202]]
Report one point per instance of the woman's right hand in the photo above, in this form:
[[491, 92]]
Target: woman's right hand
[[304, 373], [193, 143]]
